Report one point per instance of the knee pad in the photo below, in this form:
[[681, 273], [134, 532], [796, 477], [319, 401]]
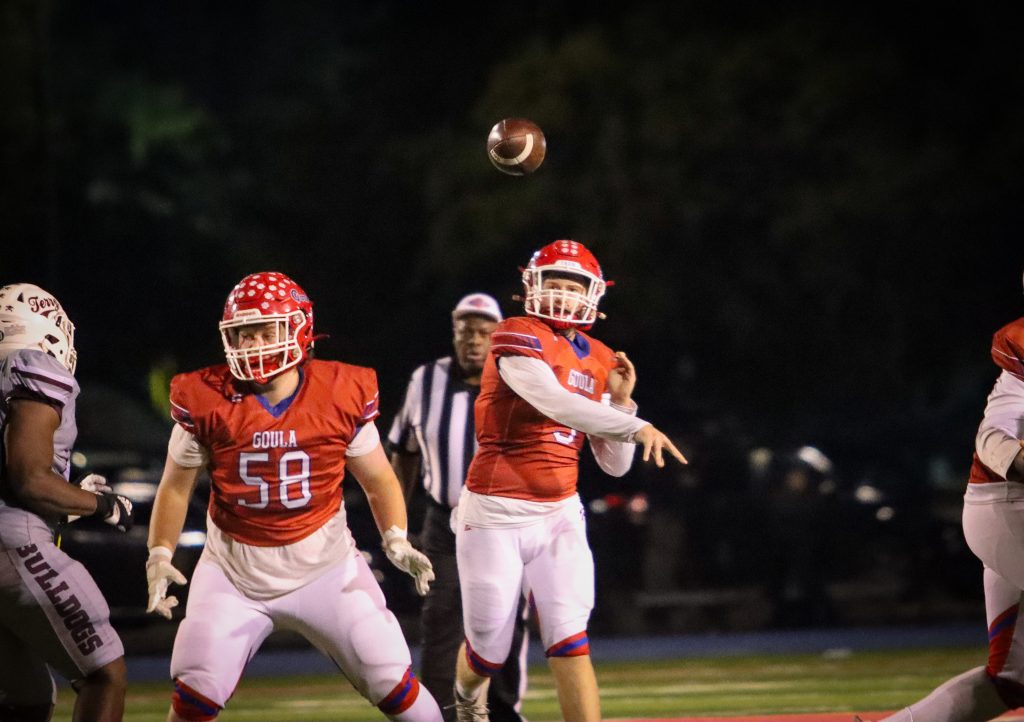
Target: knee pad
[[578, 645], [192, 706], [402, 697], [481, 666]]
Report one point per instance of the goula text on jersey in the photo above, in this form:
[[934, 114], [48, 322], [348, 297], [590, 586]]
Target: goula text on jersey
[[274, 439], [581, 380]]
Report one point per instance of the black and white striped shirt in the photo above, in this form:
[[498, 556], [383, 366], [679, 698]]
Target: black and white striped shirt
[[436, 422]]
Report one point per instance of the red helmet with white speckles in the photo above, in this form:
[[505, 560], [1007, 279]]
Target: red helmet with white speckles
[[262, 299], [561, 308]]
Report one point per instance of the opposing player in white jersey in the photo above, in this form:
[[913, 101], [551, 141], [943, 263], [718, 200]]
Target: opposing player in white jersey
[[546, 387], [276, 431], [994, 528], [51, 612]]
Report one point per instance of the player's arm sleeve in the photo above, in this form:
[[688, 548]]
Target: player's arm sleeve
[[371, 398], [513, 339], [37, 376], [402, 436], [998, 439], [366, 440], [181, 410], [534, 381], [1008, 348], [186, 451], [359, 404], [614, 457]]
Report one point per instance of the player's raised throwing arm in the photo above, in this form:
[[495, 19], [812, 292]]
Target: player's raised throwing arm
[[535, 382]]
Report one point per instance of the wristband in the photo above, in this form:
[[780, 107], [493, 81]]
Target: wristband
[[104, 506], [160, 552]]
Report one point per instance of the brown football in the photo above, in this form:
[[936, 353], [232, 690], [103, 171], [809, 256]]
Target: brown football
[[516, 146]]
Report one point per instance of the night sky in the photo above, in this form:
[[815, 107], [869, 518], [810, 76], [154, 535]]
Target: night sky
[[812, 215]]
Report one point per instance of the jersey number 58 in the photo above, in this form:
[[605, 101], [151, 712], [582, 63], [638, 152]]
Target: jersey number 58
[[285, 477]]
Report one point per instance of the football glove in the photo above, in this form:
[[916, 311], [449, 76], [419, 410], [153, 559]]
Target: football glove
[[159, 574], [115, 510], [91, 482], [404, 556]]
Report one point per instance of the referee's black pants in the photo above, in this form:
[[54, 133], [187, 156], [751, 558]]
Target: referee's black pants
[[441, 623]]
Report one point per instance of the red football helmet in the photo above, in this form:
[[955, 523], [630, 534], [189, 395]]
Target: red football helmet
[[561, 308], [265, 298]]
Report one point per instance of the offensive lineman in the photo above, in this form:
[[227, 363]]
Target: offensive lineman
[[519, 525], [994, 529], [51, 611], [276, 431]]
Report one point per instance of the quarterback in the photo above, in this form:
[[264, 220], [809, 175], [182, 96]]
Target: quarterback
[[276, 431], [546, 387], [51, 611]]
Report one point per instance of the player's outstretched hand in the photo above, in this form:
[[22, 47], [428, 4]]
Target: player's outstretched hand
[[411, 561], [159, 575], [655, 443], [91, 482]]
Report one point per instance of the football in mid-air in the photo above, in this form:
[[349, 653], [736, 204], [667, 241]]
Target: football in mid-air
[[516, 146]]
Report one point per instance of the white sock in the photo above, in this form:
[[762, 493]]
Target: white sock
[[471, 695]]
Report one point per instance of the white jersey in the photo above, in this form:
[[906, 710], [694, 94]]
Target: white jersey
[[50, 600], [38, 376]]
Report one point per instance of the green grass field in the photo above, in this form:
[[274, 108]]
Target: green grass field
[[722, 686]]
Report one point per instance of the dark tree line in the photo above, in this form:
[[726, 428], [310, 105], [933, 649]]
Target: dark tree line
[[812, 214]]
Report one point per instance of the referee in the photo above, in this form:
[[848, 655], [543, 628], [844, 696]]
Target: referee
[[432, 441]]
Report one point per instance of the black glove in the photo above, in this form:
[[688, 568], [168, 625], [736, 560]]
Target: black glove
[[115, 510]]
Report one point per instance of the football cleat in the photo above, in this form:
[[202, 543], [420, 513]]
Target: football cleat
[[470, 710]]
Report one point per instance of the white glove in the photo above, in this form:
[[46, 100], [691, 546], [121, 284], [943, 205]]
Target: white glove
[[159, 574], [404, 556], [91, 482]]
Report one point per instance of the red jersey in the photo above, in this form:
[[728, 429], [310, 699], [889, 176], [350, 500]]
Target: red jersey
[[1008, 354], [276, 471], [523, 454]]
